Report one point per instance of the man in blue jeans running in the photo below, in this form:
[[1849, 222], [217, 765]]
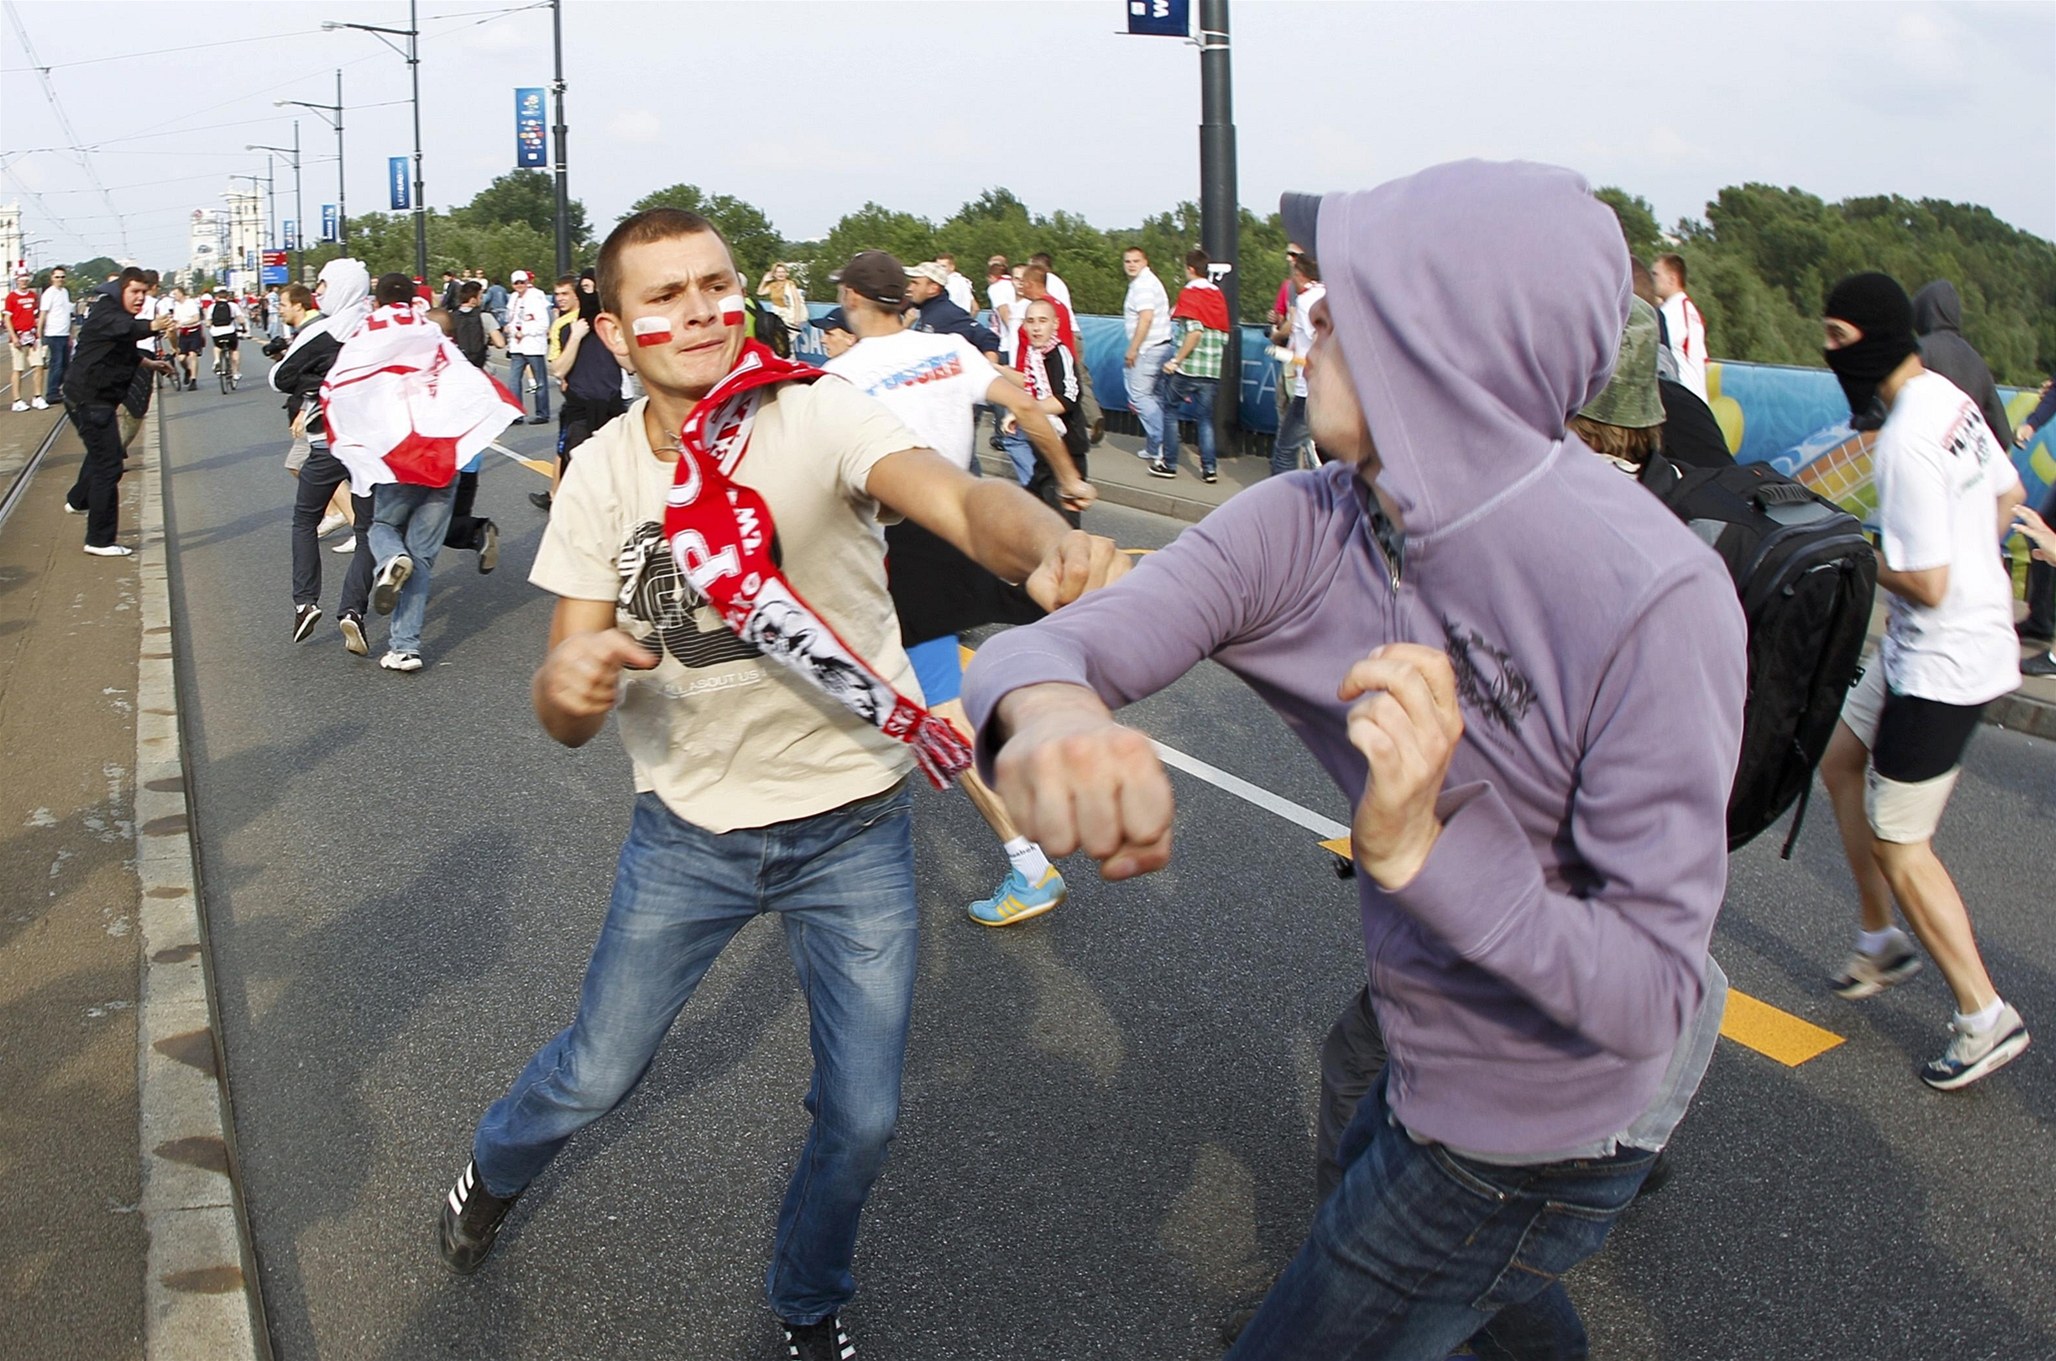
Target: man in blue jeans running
[[1540, 841], [756, 796]]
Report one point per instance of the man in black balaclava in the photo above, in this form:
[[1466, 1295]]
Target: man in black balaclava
[[1945, 492]]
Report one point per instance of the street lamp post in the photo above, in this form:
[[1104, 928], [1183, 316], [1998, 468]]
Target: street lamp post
[[299, 208], [562, 137], [248, 220], [412, 52], [333, 114], [1219, 215]]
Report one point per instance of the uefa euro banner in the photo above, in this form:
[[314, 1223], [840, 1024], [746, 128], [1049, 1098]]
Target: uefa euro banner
[[531, 144]]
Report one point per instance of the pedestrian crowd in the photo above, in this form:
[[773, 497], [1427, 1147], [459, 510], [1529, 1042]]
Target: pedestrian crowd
[[763, 569]]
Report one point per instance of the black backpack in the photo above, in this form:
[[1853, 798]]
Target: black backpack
[[468, 331], [223, 314], [770, 328], [1806, 576]]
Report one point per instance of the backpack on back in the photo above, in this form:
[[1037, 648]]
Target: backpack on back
[[1806, 577], [468, 331], [770, 328], [223, 314]]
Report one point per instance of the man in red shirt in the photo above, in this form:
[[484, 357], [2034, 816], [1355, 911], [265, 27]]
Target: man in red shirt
[[25, 341]]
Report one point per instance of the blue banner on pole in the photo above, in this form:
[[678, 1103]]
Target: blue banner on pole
[[328, 222], [531, 143], [292, 234], [396, 172], [1159, 18]]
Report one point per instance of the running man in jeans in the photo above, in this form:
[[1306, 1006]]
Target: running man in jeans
[[1541, 844], [1946, 496], [770, 785]]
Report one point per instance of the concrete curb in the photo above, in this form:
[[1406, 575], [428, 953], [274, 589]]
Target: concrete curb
[[2021, 712], [200, 1293], [1114, 493]]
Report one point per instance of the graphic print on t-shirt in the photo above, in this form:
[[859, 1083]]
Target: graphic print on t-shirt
[[654, 591]]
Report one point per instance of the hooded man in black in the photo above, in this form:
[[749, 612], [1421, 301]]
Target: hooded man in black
[[1938, 321], [104, 363]]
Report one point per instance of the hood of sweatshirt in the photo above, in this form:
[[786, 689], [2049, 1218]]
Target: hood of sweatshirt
[[1937, 308], [1471, 345]]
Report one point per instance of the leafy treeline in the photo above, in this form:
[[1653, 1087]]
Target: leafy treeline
[[1758, 265], [1761, 263]]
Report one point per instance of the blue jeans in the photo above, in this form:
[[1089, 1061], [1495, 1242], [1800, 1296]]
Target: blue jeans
[[1143, 376], [1419, 1250], [842, 884], [515, 364], [411, 520], [1179, 388], [1020, 453], [1292, 437], [60, 360]]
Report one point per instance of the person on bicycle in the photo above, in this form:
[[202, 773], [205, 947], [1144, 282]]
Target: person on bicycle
[[185, 325], [227, 323]]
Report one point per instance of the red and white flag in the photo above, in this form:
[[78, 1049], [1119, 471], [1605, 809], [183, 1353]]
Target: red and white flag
[[402, 404]]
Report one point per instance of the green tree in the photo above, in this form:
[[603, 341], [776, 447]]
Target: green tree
[[751, 238], [1637, 219], [527, 198]]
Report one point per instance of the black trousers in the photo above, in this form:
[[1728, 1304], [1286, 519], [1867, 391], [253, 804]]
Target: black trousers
[[2041, 584], [96, 490], [319, 477], [580, 417], [466, 530]]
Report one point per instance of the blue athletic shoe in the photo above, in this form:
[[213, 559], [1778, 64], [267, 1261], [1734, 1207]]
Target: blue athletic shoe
[[1016, 900]]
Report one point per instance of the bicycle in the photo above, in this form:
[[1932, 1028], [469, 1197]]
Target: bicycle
[[221, 370]]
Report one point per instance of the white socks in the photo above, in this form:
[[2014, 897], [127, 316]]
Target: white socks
[[1027, 857], [1875, 943], [1978, 1022]]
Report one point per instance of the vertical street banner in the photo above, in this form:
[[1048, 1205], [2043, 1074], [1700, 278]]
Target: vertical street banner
[[531, 142], [292, 235], [396, 174], [328, 222], [1159, 18]]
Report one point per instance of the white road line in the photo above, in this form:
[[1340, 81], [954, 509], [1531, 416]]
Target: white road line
[[1325, 828]]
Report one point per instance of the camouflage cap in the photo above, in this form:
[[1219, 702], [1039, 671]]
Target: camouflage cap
[[1630, 398]]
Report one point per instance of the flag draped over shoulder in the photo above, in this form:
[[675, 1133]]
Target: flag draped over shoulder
[[1202, 302], [402, 404]]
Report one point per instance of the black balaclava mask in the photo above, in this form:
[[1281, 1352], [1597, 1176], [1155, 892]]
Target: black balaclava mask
[[588, 296], [1877, 306]]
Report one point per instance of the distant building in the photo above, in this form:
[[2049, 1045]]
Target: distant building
[[13, 251], [208, 253]]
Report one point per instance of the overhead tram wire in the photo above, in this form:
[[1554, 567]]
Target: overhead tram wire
[[64, 123]]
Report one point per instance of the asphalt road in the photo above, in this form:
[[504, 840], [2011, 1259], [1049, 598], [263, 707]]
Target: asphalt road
[[1106, 1138]]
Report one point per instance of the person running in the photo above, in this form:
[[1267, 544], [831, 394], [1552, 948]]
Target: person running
[[772, 736], [1540, 843], [185, 336], [934, 382], [102, 370], [344, 287], [25, 341], [1946, 496]]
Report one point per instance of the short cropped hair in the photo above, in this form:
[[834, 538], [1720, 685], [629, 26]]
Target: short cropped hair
[[1307, 268], [1645, 282], [1035, 274], [640, 229], [1197, 261], [393, 288], [1675, 263], [468, 291], [996, 266], [571, 279], [300, 296], [1041, 257], [1627, 443]]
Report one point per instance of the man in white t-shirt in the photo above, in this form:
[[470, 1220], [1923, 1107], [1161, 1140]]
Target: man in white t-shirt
[[757, 790], [1946, 494], [57, 311], [1146, 320], [1295, 334], [935, 382], [186, 335], [1684, 329], [528, 343], [1002, 298], [955, 286]]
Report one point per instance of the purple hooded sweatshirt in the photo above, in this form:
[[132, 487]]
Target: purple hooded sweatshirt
[[1534, 978]]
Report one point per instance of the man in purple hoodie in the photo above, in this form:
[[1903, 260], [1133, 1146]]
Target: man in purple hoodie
[[1527, 677]]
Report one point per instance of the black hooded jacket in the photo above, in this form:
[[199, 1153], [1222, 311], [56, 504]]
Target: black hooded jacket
[[104, 357], [1938, 321]]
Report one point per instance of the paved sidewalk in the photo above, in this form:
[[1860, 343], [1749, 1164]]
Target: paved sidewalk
[[69, 636]]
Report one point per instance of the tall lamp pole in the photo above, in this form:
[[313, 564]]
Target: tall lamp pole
[[1220, 226], [299, 208], [412, 52], [333, 114], [562, 137]]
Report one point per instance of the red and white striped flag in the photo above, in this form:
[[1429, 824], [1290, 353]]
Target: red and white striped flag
[[402, 404]]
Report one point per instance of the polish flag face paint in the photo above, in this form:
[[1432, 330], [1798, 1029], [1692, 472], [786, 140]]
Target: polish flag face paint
[[732, 310], [652, 330]]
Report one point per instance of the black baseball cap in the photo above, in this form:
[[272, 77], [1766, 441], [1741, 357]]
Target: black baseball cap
[[875, 275], [834, 320]]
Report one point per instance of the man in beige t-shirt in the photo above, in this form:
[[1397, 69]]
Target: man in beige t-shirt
[[758, 792]]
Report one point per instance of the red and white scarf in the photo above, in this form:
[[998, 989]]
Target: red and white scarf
[[721, 533]]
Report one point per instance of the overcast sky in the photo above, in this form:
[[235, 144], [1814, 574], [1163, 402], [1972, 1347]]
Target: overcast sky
[[810, 109]]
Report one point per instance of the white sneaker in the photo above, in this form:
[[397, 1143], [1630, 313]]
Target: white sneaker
[[1868, 975], [70, 509], [112, 550], [1972, 1056], [348, 545], [38, 404], [20, 406], [329, 525], [401, 661]]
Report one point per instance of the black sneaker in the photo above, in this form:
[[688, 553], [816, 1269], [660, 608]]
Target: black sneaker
[[827, 1340], [2041, 664], [1159, 468], [540, 500], [305, 617], [1209, 477], [385, 588], [352, 625], [489, 549], [470, 1222]]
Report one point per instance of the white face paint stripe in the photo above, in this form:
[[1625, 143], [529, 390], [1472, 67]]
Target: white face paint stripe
[[652, 330], [732, 309]]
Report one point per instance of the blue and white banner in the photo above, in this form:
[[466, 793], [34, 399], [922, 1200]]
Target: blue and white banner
[[330, 221], [531, 142], [396, 173], [1159, 18], [291, 234]]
